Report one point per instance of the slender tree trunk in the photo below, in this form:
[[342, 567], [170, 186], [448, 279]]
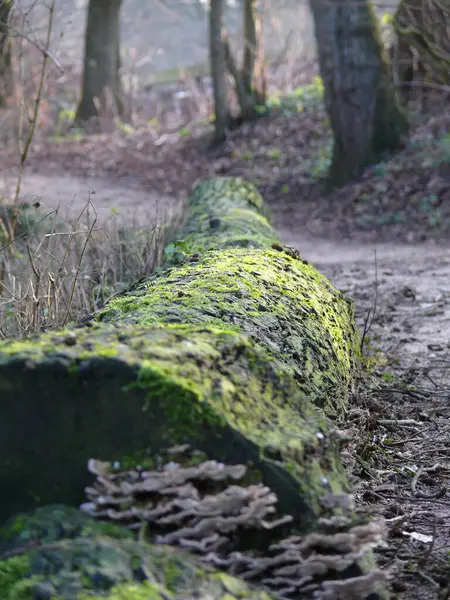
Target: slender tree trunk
[[218, 67], [251, 88], [101, 78], [251, 45], [6, 74], [359, 93]]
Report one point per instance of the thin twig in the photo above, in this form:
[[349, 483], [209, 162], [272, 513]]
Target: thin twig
[[78, 267], [371, 313], [37, 103], [415, 479], [44, 50]]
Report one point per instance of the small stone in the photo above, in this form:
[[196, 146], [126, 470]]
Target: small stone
[[408, 292], [70, 339], [214, 223], [43, 591], [435, 347]]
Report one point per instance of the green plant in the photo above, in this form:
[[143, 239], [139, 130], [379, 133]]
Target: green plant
[[274, 153], [322, 160]]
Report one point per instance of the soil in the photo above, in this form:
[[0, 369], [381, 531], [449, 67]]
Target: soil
[[70, 195], [400, 454]]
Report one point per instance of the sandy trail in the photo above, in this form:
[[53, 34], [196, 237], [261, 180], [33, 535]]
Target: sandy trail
[[71, 194], [134, 201]]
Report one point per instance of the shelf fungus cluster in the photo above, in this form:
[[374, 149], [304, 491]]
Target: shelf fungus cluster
[[212, 510]]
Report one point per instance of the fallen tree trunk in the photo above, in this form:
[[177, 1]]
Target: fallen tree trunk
[[85, 556], [241, 349]]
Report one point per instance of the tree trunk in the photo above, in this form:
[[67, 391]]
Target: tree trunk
[[218, 66], [6, 74], [101, 78], [251, 44], [359, 93], [252, 76], [198, 347]]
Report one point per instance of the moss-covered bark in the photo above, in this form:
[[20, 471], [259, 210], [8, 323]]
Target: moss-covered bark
[[233, 353], [361, 100], [120, 390], [421, 51], [78, 559], [284, 304], [224, 213]]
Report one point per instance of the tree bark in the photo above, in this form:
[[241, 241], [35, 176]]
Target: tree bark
[[6, 74], [422, 47], [252, 75], [251, 44], [101, 78], [359, 93], [218, 67]]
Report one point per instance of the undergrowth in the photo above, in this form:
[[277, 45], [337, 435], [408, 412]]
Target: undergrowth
[[58, 270]]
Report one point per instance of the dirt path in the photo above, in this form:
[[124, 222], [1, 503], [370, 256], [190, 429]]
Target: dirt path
[[401, 431], [400, 455], [71, 194]]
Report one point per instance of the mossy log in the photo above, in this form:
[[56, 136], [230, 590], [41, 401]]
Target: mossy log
[[233, 353], [89, 561], [226, 213], [236, 346]]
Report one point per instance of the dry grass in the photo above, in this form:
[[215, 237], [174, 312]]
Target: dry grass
[[58, 271]]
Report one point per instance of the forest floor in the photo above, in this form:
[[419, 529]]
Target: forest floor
[[382, 241]]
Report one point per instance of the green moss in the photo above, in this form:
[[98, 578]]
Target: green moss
[[168, 384], [214, 586], [25, 589], [51, 524], [190, 409], [156, 591], [223, 212], [281, 302], [82, 563], [12, 571], [132, 591]]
